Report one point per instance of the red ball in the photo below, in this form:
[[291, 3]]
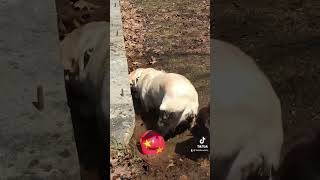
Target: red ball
[[152, 143]]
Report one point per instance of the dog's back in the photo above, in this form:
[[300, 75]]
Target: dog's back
[[176, 90], [180, 89], [246, 115]]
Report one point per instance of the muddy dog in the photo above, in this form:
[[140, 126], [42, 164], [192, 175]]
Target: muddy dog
[[172, 94], [85, 56], [246, 120]]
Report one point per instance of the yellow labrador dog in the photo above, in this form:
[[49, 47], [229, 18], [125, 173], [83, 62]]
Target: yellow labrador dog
[[92, 93], [246, 120], [172, 94]]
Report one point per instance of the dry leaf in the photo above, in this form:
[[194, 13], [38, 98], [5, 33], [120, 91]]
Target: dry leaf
[[158, 50], [153, 60], [183, 177], [136, 63], [115, 177], [113, 161], [204, 164], [81, 4], [171, 164]]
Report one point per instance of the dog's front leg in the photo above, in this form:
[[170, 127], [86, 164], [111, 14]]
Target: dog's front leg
[[144, 102], [163, 123], [145, 106]]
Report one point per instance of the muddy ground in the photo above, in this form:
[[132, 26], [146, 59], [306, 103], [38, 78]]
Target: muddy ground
[[172, 36], [284, 39]]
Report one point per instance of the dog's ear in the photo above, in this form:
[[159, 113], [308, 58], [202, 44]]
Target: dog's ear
[[131, 82], [132, 79], [136, 80]]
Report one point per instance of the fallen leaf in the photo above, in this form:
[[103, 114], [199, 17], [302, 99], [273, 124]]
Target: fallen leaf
[[113, 161], [205, 164], [157, 51], [171, 164], [115, 176], [136, 63], [153, 60], [183, 177], [81, 4]]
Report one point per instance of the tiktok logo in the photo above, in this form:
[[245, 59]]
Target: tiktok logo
[[201, 147], [202, 140]]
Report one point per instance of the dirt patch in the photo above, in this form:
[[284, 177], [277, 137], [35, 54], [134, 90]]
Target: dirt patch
[[283, 37], [173, 36], [155, 30]]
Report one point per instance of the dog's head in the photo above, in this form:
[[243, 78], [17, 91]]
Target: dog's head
[[134, 77]]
